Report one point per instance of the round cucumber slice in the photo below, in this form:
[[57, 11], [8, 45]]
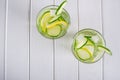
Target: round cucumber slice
[[54, 31], [84, 54]]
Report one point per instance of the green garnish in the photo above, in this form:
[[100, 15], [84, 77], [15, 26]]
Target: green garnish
[[105, 49], [60, 7]]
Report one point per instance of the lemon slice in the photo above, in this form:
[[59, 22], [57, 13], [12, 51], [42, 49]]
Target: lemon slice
[[84, 54], [44, 21], [57, 23], [44, 18], [90, 48]]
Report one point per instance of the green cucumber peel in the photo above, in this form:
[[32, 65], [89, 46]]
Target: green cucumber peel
[[89, 39], [60, 8], [95, 46], [99, 46], [87, 36], [54, 19], [105, 49], [58, 12], [83, 44]]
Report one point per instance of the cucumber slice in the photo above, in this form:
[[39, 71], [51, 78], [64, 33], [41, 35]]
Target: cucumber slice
[[89, 39], [88, 36], [60, 8], [104, 49], [63, 17], [84, 54], [55, 18], [80, 43], [54, 31]]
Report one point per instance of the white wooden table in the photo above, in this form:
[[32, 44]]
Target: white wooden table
[[26, 55]]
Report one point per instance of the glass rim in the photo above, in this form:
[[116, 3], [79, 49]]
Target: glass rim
[[53, 7], [73, 44], [91, 30], [44, 9]]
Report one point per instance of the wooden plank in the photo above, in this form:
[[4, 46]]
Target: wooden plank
[[89, 17], [66, 65], [111, 19], [17, 40], [41, 48], [2, 28]]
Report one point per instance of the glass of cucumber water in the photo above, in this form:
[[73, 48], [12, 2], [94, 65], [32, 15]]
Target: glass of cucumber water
[[89, 46], [53, 21]]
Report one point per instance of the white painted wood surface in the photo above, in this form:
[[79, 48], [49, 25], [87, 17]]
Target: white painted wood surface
[[111, 32], [17, 33], [90, 17], [27, 55], [41, 49], [2, 36], [66, 67]]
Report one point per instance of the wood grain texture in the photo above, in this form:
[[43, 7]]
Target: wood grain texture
[[90, 17], [111, 16], [41, 48], [2, 37], [17, 40], [66, 65]]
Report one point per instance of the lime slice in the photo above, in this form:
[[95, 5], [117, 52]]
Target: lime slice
[[60, 8], [104, 49], [57, 23], [84, 54], [54, 31]]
